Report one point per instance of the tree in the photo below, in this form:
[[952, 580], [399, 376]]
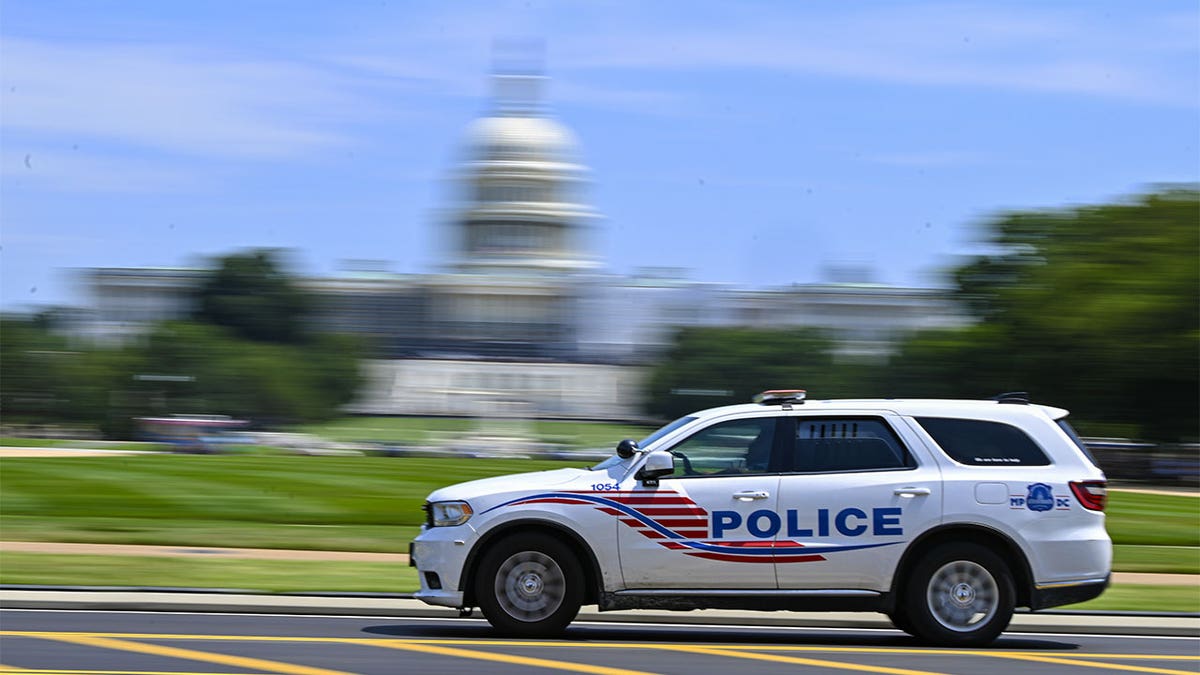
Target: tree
[[1094, 308], [250, 294], [706, 367]]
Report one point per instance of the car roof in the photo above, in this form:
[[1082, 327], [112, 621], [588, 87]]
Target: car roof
[[912, 407]]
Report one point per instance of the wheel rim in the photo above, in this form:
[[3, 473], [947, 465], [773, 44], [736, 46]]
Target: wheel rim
[[963, 596], [530, 586]]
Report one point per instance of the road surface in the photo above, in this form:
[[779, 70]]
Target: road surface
[[92, 643]]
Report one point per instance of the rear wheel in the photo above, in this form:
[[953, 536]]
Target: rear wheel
[[529, 585], [959, 594]]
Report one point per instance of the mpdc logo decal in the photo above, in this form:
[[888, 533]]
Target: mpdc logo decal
[[1040, 497]]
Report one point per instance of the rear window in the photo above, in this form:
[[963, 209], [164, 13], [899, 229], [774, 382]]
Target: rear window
[[984, 443], [1066, 427]]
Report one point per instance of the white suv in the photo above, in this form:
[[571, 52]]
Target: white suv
[[945, 515]]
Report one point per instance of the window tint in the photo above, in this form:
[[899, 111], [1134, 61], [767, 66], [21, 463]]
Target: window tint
[[847, 444], [983, 443], [734, 447]]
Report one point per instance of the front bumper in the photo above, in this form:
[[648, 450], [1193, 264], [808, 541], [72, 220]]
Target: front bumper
[[439, 555]]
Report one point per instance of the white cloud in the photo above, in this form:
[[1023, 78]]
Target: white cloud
[[1019, 49], [168, 99]]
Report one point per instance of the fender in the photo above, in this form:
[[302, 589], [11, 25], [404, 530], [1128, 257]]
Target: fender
[[591, 565], [1022, 573]]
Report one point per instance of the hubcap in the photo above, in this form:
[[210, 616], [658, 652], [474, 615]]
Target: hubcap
[[963, 596], [530, 586]]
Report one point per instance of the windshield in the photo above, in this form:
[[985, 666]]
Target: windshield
[[645, 442]]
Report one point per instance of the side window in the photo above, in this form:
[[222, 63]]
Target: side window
[[734, 447], [984, 443], [847, 444]]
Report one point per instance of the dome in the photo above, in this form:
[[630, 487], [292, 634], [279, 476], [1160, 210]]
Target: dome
[[513, 138]]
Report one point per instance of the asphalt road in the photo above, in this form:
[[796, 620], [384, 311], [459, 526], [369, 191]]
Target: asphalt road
[[91, 642]]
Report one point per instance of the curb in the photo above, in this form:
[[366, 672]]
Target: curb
[[397, 606]]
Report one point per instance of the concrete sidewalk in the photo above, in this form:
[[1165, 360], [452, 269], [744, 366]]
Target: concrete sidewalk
[[1128, 623]]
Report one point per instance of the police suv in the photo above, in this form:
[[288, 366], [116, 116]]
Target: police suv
[[945, 515]]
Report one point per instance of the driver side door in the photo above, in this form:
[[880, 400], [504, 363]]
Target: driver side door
[[711, 524]]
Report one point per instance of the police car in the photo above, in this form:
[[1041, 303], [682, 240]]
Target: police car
[[944, 515]]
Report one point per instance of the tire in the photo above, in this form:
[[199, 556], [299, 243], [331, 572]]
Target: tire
[[899, 619], [959, 595], [529, 585]]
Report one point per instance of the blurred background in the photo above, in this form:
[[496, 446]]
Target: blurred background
[[271, 272], [394, 230]]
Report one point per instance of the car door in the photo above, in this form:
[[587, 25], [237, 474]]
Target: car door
[[856, 494], [708, 526]]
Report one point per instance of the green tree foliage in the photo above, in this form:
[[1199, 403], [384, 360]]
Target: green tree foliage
[[742, 362], [247, 354], [1096, 309], [264, 382], [47, 380], [251, 294]]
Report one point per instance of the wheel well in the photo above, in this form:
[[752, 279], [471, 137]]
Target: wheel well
[[587, 559], [1003, 546]]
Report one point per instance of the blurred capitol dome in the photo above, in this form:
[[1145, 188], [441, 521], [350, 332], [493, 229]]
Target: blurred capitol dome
[[521, 185]]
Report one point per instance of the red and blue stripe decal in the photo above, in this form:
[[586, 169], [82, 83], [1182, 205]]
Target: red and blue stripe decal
[[679, 524]]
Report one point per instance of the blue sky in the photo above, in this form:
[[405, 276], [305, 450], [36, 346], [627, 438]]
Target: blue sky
[[750, 142]]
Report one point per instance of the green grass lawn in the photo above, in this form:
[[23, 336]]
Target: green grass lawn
[[202, 572], [22, 442], [325, 576], [1153, 519], [1158, 559], [357, 503]]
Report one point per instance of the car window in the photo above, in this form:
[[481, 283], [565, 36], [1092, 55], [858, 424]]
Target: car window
[[847, 444], [984, 443], [737, 447]]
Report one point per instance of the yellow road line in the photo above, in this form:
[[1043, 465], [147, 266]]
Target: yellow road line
[[592, 645], [1093, 664], [505, 658], [778, 658], [177, 653]]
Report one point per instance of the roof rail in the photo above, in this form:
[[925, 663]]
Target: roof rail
[[1013, 397]]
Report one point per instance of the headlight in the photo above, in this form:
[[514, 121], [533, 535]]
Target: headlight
[[448, 514]]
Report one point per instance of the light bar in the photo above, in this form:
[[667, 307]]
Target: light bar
[[776, 396]]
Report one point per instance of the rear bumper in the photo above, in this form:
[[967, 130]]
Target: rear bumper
[[1067, 593]]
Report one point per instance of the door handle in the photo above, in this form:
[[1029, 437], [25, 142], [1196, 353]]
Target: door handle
[[751, 495], [911, 492]]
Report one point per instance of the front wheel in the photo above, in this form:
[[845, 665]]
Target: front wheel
[[529, 585], [959, 595]]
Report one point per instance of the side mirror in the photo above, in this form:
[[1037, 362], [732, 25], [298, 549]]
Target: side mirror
[[626, 448], [658, 464]]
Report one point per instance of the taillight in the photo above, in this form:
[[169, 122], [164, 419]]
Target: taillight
[[1092, 494]]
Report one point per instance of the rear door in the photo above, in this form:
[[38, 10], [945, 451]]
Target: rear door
[[855, 496]]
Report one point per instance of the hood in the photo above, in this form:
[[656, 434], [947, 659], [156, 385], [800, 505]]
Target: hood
[[535, 480]]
